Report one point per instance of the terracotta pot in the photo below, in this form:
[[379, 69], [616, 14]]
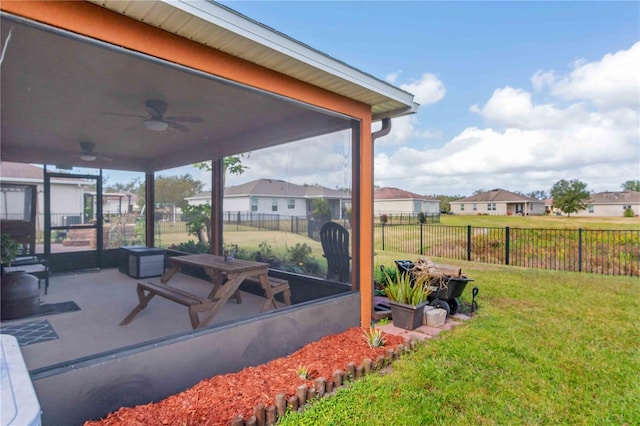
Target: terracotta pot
[[20, 295]]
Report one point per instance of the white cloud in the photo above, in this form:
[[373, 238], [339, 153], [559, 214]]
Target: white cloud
[[393, 77], [324, 160], [612, 82], [591, 132], [542, 79], [428, 90]]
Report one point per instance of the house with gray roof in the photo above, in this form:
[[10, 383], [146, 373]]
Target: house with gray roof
[[394, 201], [611, 203], [275, 196], [498, 202]]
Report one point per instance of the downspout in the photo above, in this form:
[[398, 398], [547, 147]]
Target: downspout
[[384, 131]]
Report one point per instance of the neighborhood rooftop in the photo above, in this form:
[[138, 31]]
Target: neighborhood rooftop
[[388, 193], [496, 195]]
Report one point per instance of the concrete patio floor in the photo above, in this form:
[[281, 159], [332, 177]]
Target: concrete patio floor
[[105, 298]]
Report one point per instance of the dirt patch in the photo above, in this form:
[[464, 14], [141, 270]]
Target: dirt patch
[[217, 400]]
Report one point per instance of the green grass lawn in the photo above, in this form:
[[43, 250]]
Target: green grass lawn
[[543, 222], [546, 347]]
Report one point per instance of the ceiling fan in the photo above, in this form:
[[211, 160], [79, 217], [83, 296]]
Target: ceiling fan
[[155, 118], [87, 152]]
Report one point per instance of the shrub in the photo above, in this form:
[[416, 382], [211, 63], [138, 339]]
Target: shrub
[[422, 218], [628, 212], [191, 247]]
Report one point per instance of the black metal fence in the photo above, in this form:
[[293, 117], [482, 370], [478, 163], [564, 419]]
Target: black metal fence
[[252, 221], [610, 252], [407, 218]]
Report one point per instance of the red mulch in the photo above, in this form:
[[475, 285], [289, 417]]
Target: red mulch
[[218, 400]]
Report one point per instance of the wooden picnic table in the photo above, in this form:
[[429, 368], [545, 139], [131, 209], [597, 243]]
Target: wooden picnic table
[[225, 275]]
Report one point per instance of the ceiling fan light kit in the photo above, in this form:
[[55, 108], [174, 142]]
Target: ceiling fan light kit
[[158, 126], [88, 157]]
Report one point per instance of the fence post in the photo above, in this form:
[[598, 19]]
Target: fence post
[[469, 242], [421, 251], [506, 245], [382, 235], [579, 249]]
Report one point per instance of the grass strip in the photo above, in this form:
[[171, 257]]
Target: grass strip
[[546, 347]]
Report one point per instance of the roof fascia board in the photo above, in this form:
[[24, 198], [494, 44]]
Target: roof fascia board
[[263, 35]]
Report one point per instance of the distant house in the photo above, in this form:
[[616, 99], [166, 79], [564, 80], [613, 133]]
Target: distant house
[[498, 202], [69, 198], [612, 204], [394, 201], [274, 196], [66, 205]]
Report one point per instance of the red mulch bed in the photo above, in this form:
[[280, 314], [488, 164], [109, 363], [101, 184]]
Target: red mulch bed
[[216, 401]]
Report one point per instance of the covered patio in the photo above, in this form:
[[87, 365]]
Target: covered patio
[[150, 86]]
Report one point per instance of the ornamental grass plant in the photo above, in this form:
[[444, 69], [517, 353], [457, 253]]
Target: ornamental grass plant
[[407, 289]]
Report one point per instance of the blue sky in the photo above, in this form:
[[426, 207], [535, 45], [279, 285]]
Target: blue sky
[[515, 95]]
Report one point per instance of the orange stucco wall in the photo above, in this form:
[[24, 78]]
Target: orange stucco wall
[[102, 24]]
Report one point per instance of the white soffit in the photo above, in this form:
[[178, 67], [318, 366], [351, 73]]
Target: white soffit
[[221, 28]]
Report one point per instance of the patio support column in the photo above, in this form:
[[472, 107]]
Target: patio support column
[[363, 211], [149, 212], [217, 197]]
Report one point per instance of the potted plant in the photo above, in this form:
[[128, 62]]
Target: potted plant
[[19, 294], [407, 298], [8, 250]]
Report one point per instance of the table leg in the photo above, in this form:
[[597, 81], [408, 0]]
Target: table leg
[[266, 286], [143, 301], [228, 289], [170, 273], [217, 278]]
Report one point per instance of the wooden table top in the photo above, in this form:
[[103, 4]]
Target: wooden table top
[[218, 263]]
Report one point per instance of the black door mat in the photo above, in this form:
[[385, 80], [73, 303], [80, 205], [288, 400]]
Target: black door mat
[[30, 332], [55, 308], [49, 309]]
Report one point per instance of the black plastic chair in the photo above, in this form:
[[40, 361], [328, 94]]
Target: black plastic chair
[[335, 244]]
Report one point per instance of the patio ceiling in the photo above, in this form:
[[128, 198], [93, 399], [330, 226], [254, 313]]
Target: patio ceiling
[[58, 90]]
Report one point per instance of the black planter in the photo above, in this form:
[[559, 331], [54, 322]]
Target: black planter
[[405, 316], [20, 295]]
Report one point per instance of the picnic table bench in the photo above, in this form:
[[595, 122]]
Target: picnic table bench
[[226, 277]]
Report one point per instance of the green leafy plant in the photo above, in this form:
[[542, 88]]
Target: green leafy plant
[[321, 210], [8, 250], [198, 223], [266, 254], [380, 278], [191, 247], [628, 212], [384, 321], [303, 372], [374, 337], [299, 259], [407, 289]]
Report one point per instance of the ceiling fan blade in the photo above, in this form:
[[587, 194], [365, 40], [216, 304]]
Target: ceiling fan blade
[[155, 107], [178, 126], [125, 115], [185, 119]]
